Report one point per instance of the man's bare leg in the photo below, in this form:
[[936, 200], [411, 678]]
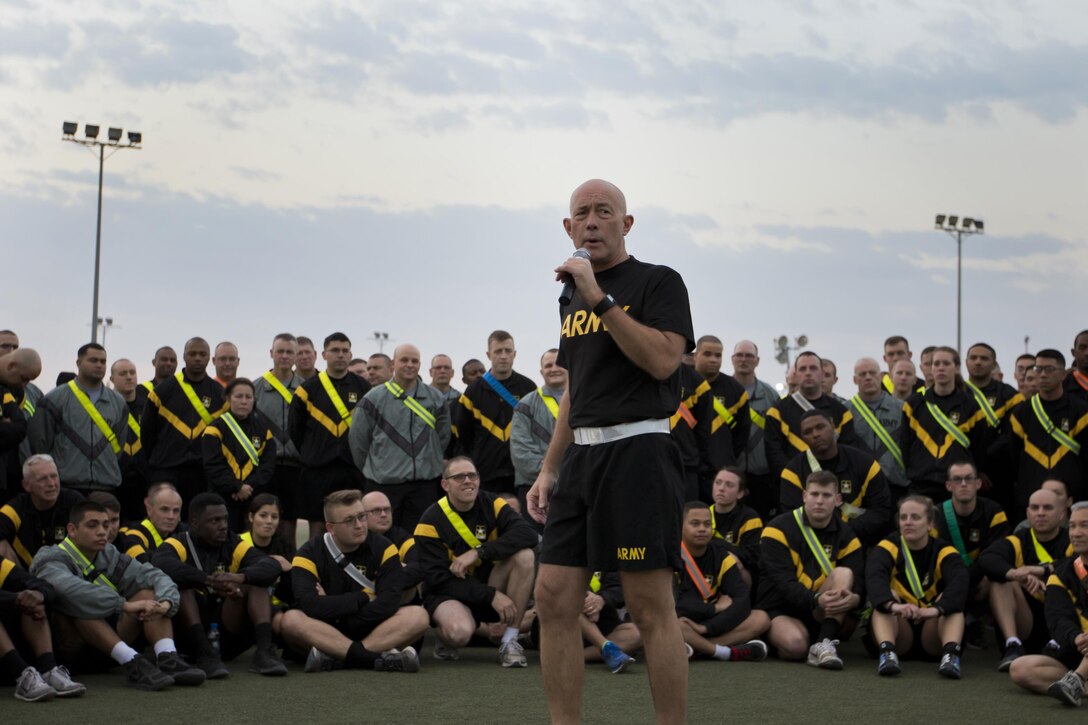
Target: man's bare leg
[[650, 601], [560, 595]]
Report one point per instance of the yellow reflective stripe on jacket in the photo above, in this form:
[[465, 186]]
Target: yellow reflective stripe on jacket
[[85, 566], [458, 523], [723, 415], [241, 437], [758, 419], [326, 382], [980, 398], [814, 544], [193, 400], [888, 384], [911, 570], [411, 403], [550, 402], [96, 417], [949, 427], [595, 582], [278, 386], [28, 406], [1040, 552], [1052, 430], [503, 434], [881, 432], [155, 535]]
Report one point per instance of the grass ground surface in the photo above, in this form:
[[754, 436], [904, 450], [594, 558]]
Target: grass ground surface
[[476, 690]]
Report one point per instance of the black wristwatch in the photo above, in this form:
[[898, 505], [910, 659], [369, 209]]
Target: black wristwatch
[[604, 305]]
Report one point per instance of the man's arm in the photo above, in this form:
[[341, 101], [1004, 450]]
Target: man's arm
[[327, 607], [74, 595], [361, 431]]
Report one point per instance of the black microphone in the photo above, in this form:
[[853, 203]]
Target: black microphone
[[568, 286]]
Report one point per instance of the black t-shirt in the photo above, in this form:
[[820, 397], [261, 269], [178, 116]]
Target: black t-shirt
[[606, 388]]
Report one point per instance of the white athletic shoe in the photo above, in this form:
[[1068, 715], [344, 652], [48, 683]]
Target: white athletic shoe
[[512, 654], [824, 655]]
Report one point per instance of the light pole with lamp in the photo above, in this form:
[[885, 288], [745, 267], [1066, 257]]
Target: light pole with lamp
[[948, 224]]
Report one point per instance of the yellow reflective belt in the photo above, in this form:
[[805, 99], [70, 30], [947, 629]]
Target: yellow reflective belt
[[411, 403], [881, 432], [148, 385], [983, 403], [28, 406], [813, 543], [146, 523], [99, 421], [812, 462], [241, 437], [85, 566], [326, 383], [133, 425], [724, 413], [942, 420], [1040, 552], [278, 386], [888, 384], [758, 419], [1052, 430], [911, 571], [458, 523], [193, 400], [553, 407], [595, 582]]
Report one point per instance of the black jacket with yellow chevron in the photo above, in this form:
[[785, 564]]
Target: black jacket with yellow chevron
[[928, 449], [729, 432], [189, 561], [317, 429], [866, 498], [483, 425], [1040, 457], [1017, 550], [345, 602], [171, 427], [979, 529], [791, 574], [1066, 605], [782, 434], [690, 424], [227, 465], [501, 532], [941, 573], [723, 578]]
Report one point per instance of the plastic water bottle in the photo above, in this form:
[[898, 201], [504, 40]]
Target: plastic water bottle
[[213, 638]]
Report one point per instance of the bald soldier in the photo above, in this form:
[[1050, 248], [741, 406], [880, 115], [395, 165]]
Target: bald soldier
[[17, 369], [878, 416], [398, 435]]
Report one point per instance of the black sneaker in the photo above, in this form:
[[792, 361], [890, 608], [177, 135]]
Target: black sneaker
[[1012, 652], [751, 651], [404, 661], [265, 662], [213, 667], [183, 673], [974, 635], [143, 675]]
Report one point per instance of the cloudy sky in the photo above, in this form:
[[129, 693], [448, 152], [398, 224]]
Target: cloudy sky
[[404, 167]]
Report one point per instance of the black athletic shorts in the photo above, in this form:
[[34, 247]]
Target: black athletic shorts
[[285, 485], [617, 506], [316, 483], [481, 613]]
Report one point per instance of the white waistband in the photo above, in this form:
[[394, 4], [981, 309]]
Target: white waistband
[[609, 433]]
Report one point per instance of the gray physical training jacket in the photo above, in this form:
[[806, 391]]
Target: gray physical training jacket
[[391, 444]]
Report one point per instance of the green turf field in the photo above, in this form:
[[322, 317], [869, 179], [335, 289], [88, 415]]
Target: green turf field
[[476, 690]]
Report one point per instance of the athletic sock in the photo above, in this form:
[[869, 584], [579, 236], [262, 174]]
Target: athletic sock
[[951, 648], [509, 634], [360, 658], [45, 661], [887, 647], [829, 629], [263, 634], [606, 643], [721, 652], [165, 645], [122, 654], [1013, 640], [12, 664]]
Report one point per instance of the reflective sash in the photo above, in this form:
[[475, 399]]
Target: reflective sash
[[96, 417], [338, 556], [500, 389], [987, 409], [28, 407], [595, 582], [86, 568], [134, 425], [193, 400], [326, 383], [458, 523], [812, 462], [1052, 430], [148, 385], [1081, 572], [278, 387], [954, 532], [549, 401], [813, 543], [1081, 378], [695, 573], [942, 420], [411, 403], [1041, 554], [888, 384], [911, 571], [241, 437], [802, 401], [683, 411], [724, 413], [155, 535], [758, 419], [881, 432]]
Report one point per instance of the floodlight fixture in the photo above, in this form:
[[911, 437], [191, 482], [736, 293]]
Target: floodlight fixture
[[940, 220], [70, 128], [114, 134], [135, 137], [90, 131]]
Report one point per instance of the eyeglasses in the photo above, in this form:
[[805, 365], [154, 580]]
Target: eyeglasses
[[352, 520], [744, 355], [1045, 368], [381, 511], [462, 477], [962, 479]]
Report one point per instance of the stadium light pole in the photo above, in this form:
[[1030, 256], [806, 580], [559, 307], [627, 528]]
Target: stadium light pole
[[381, 338], [782, 348], [90, 132], [947, 223]]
